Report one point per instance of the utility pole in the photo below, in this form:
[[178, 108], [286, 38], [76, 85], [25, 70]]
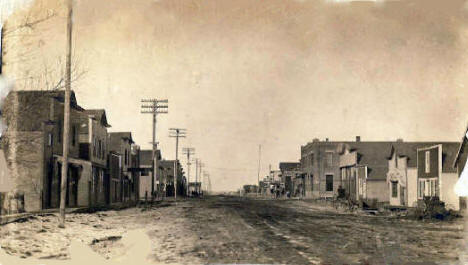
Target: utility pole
[[188, 151], [176, 133], [66, 115], [209, 184], [200, 166], [258, 173], [154, 107], [196, 176]]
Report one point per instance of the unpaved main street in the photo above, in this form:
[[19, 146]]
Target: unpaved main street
[[242, 230]]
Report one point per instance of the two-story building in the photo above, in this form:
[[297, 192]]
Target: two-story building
[[320, 166], [93, 142], [436, 174], [363, 167], [35, 122], [120, 145]]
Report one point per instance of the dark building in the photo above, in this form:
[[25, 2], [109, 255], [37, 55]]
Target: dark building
[[93, 142], [166, 168], [289, 171], [35, 122]]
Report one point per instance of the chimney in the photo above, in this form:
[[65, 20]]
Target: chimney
[[399, 140], [358, 138]]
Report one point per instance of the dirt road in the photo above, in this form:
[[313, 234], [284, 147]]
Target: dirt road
[[242, 230]]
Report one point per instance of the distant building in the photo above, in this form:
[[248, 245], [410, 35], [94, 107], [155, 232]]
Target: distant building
[[289, 171], [376, 171], [146, 172], [320, 166], [194, 188], [167, 176]]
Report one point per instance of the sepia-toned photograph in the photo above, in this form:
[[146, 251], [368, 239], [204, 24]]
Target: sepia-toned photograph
[[233, 132]]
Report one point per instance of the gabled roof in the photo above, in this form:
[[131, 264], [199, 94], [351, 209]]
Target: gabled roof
[[449, 152], [59, 95], [462, 145], [123, 135], [99, 115], [375, 155]]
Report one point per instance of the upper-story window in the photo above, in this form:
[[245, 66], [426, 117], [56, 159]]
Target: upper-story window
[[428, 161], [59, 131], [50, 139], [73, 135], [99, 149], [329, 159], [126, 157], [312, 159]]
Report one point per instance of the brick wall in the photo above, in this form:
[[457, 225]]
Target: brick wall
[[26, 167]]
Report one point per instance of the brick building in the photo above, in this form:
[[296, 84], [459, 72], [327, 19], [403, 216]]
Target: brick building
[[35, 122], [320, 166]]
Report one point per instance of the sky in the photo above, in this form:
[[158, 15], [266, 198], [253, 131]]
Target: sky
[[278, 73]]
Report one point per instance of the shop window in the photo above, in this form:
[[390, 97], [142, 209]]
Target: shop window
[[329, 182], [394, 189]]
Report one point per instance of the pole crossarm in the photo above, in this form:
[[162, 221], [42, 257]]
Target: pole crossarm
[[156, 106]]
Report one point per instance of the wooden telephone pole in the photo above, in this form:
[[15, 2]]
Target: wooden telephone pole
[[177, 133], [155, 107], [66, 116], [188, 151]]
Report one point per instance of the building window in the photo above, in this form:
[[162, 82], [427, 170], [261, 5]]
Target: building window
[[428, 162], [311, 182], [329, 182], [60, 131], [427, 188], [394, 189], [99, 149], [126, 157], [73, 135], [329, 159], [312, 159], [50, 140]]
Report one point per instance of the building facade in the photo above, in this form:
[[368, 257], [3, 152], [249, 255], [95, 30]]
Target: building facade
[[93, 144], [120, 144], [320, 166], [35, 121]]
